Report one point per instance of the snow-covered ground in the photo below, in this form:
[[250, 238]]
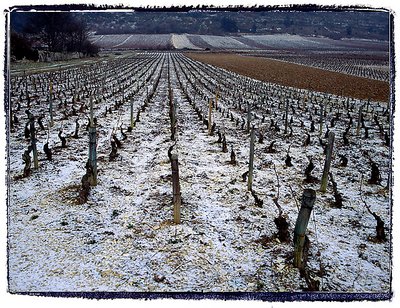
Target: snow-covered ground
[[223, 42], [124, 239], [285, 41], [243, 42], [181, 41], [110, 40], [132, 41]]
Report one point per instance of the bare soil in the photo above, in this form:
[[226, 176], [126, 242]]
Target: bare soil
[[298, 76]]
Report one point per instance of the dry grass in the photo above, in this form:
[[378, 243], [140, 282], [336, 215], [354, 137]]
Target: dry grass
[[298, 76]]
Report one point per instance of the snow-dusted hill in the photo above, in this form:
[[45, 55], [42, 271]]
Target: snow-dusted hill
[[243, 42]]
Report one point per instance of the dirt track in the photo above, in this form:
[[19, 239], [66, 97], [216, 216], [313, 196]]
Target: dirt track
[[298, 76]]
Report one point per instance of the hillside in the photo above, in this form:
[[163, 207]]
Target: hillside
[[279, 42], [342, 24], [334, 24]]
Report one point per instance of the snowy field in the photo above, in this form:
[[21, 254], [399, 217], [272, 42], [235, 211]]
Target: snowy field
[[223, 42], [181, 41], [132, 41], [325, 53], [243, 42], [123, 237]]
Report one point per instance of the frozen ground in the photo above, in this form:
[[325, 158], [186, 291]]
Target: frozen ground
[[123, 238]]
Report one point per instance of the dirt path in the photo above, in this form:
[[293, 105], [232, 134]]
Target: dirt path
[[204, 170]]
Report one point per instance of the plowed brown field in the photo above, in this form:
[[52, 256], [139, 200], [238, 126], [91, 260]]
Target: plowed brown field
[[298, 76]]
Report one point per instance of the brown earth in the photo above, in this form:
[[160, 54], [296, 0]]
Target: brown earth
[[298, 76]]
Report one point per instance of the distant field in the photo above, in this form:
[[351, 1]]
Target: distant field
[[370, 64], [133, 41], [315, 63], [298, 76], [243, 42], [357, 57]]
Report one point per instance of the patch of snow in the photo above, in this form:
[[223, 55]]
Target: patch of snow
[[181, 41], [223, 42], [285, 41]]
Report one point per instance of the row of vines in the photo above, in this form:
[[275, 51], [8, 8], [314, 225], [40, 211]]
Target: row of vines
[[199, 175]]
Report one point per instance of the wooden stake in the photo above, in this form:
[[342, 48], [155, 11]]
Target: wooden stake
[[251, 162], [176, 190], [209, 115], [307, 203], [286, 115], [51, 103], [91, 111], [224, 145], [359, 120], [26, 90], [216, 98], [132, 121], [33, 140], [173, 119], [93, 154], [321, 117], [248, 118], [92, 147], [324, 181]]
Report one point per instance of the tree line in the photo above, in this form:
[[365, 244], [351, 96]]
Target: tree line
[[50, 31]]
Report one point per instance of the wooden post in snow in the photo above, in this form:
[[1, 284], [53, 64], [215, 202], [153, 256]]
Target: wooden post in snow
[[93, 154], [321, 119], [173, 119], [307, 203], [251, 162], [209, 115], [359, 120], [175, 108], [104, 83], [304, 101], [51, 103], [176, 189], [216, 99], [33, 140], [286, 115], [248, 118], [92, 147], [91, 111], [28, 100], [132, 121], [328, 158]]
